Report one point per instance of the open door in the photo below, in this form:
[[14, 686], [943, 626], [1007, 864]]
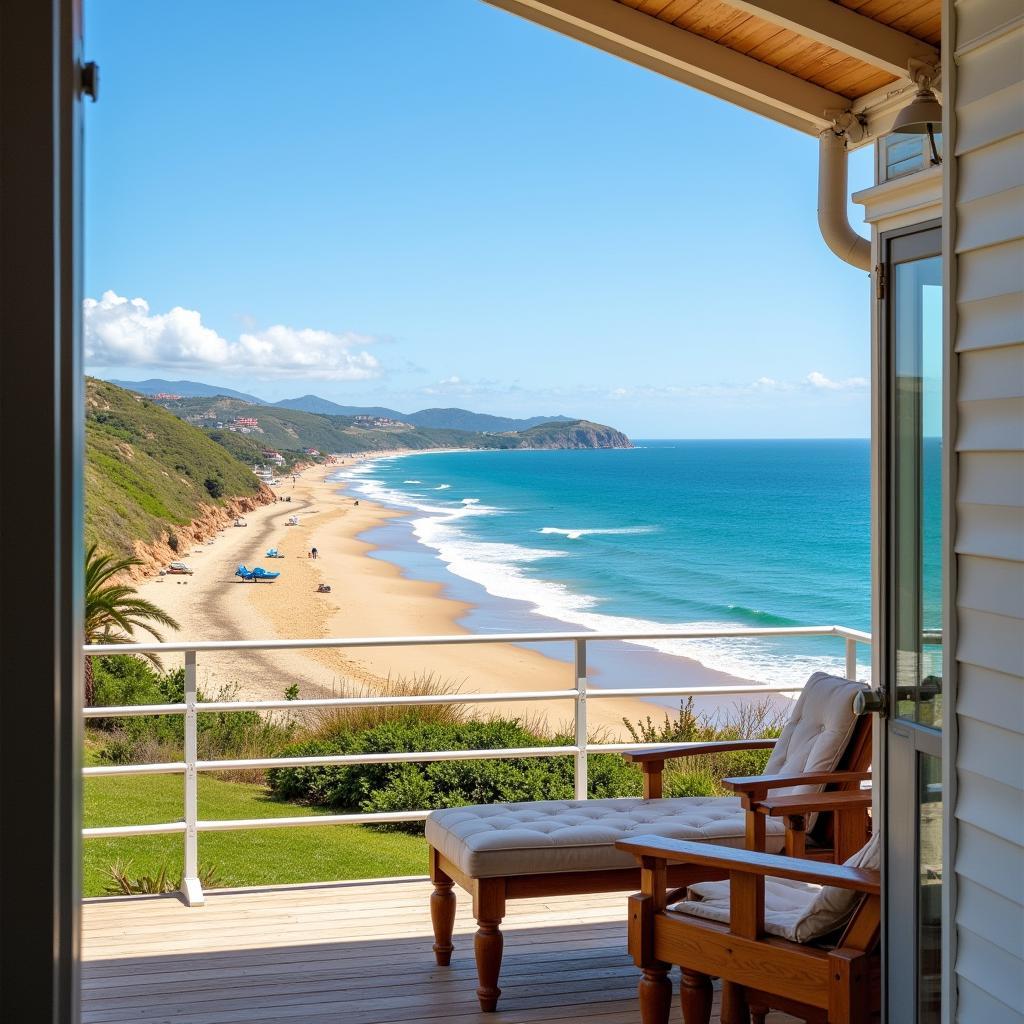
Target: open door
[[911, 575], [41, 426]]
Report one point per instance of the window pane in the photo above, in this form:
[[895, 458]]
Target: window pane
[[918, 489]]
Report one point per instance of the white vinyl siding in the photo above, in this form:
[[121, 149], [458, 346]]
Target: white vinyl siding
[[988, 39]]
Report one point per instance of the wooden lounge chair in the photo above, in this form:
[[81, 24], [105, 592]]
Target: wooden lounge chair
[[562, 847], [782, 933]]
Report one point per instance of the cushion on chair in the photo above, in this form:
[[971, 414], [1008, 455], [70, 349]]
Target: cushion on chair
[[799, 911], [545, 836], [818, 730]]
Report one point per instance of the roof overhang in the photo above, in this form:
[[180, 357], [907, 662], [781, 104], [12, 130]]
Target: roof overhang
[[758, 85]]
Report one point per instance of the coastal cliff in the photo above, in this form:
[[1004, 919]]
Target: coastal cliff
[[149, 476], [176, 542], [574, 434]]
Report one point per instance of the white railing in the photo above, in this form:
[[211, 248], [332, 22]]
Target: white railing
[[191, 825]]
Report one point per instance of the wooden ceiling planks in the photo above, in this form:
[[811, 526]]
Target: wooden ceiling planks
[[795, 54], [921, 19]]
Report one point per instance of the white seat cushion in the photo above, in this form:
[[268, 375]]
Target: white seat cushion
[[818, 730], [545, 836], [799, 911]]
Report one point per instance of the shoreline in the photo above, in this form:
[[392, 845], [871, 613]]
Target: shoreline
[[395, 540], [370, 597]]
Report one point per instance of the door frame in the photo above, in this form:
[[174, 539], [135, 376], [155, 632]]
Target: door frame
[[41, 585], [943, 744]]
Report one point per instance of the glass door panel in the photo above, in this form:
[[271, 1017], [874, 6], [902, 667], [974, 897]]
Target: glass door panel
[[917, 490], [911, 509]]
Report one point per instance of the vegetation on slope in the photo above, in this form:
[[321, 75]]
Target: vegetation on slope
[[292, 430], [146, 470], [564, 434]]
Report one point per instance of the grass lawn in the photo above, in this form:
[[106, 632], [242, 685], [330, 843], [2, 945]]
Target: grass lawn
[[250, 857]]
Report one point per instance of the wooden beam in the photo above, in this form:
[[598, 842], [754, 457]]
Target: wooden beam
[[686, 57], [845, 30]]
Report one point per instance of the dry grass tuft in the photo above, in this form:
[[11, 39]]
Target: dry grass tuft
[[325, 723]]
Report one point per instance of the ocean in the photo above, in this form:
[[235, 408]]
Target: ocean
[[669, 534]]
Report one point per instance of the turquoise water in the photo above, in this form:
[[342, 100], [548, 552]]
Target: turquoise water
[[671, 533]]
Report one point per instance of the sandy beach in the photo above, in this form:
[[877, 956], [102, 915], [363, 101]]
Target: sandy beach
[[369, 597]]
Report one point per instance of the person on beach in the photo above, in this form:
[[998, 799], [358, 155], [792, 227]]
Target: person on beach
[[313, 552]]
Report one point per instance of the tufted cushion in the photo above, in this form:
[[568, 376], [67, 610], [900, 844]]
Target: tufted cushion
[[785, 902], [817, 732], [544, 836], [799, 911]]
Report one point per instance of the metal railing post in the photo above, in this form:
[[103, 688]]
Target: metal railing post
[[191, 889], [580, 773], [851, 658]]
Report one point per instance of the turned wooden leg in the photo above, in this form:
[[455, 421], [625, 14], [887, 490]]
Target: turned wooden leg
[[734, 1004], [695, 995], [488, 943], [442, 911], [655, 993], [759, 1009], [442, 917]]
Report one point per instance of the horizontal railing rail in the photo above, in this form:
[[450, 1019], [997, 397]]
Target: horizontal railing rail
[[190, 767]]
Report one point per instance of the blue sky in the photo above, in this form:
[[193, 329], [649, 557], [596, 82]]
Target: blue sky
[[432, 202]]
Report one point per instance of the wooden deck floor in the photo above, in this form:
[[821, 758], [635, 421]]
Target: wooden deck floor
[[354, 952]]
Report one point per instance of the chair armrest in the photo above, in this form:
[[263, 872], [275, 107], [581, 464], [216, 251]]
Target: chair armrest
[[812, 803], [695, 749], [748, 862], [754, 788]]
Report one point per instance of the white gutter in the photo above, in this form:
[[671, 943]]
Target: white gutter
[[833, 221]]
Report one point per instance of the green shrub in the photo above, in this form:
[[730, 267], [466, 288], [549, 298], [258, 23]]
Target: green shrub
[[375, 788], [149, 739]]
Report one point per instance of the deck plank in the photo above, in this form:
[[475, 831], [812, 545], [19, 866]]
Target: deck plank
[[352, 952]]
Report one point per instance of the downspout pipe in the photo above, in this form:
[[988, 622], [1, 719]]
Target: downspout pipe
[[835, 226]]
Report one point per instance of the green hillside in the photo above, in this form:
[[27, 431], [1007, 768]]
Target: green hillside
[[146, 470], [292, 430], [563, 434]]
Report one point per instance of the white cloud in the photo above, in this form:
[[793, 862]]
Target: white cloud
[[823, 383], [123, 332], [458, 386], [813, 382]]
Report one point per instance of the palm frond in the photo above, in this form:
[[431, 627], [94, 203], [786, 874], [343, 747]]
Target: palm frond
[[113, 609]]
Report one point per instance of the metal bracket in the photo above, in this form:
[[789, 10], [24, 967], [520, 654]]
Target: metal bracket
[[846, 122], [922, 73], [89, 80]]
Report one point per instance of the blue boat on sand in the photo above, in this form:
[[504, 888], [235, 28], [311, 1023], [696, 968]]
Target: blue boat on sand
[[256, 575]]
